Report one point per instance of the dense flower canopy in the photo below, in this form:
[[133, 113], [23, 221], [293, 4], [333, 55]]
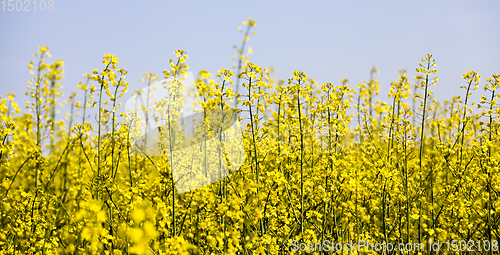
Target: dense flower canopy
[[321, 162]]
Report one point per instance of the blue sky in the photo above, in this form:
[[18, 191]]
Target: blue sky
[[329, 40]]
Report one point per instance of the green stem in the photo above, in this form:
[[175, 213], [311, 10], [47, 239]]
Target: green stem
[[422, 141]]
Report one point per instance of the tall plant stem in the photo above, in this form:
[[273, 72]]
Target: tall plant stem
[[38, 122], [301, 164], [464, 123], [422, 141], [240, 62]]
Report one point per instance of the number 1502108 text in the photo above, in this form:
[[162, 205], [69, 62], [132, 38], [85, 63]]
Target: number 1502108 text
[[26, 6]]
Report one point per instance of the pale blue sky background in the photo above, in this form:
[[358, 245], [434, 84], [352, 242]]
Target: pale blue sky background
[[329, 40]]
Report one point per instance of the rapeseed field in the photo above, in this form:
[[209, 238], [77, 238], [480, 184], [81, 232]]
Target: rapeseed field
[[268, 162]]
